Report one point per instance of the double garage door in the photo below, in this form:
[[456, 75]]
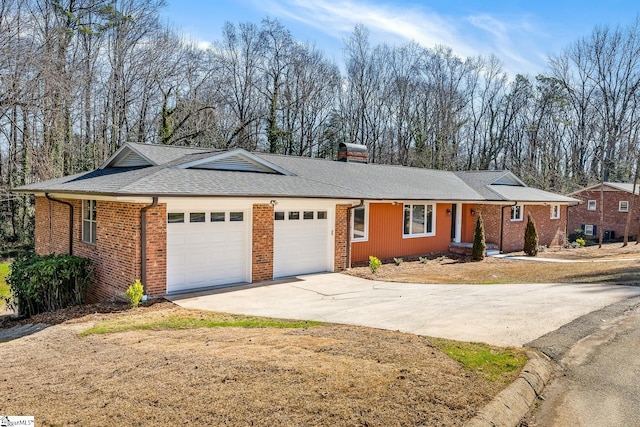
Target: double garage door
[[208, 248]]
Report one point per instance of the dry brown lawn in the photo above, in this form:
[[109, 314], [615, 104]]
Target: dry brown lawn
[[329, 375], [612, 264]]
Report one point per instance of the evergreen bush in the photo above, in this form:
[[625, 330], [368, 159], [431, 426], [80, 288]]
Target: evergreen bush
[[479, 245], [531, 237], [374, 263], [48, 283], [135, 293]]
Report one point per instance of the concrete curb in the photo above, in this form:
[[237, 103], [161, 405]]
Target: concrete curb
[[513, 403]]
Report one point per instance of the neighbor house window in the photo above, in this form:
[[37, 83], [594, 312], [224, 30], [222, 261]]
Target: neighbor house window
[[589, 229], [418, 220], [359, 223], [516, 213], [591, 205], [555, 211], [623, 206], [89, 221]]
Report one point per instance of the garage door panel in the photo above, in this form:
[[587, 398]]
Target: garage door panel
[[301, 246], [206, 254]]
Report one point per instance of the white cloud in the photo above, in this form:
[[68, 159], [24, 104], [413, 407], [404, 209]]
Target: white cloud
[[481, 34]]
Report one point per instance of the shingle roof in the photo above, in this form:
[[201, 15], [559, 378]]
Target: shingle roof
[[505, 186], [308, 177], [622, 186]]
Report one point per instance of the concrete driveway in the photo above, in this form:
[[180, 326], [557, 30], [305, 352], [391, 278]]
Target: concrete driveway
[[505, 315]]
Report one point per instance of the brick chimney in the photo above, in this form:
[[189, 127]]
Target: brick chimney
[[352, 153]]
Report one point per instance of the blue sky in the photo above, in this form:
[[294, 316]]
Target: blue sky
[[521, 33]]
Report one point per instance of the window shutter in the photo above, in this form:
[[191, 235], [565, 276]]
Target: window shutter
[[595, 230], [582, 227]]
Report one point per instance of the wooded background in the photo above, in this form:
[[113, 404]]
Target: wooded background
[[78, 78]]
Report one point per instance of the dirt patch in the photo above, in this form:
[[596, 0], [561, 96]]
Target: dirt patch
[[622, 266], [330, 375], [593, 252], [83, 312]]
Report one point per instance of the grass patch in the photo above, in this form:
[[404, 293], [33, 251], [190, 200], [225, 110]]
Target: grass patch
[[495, 364], [193, 321], [4, 288]]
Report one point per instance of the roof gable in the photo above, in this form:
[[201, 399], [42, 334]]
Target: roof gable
[[237, 160], [126, 157], [609, 186], [508, 178]]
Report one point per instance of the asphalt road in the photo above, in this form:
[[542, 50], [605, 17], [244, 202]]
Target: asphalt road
[[597, 382]]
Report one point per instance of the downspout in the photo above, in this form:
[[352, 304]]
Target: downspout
[[502, 223], [143, 243], [70, 219], [349, 209]]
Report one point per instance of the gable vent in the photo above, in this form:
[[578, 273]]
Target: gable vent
[[235, 163], [130, 159]]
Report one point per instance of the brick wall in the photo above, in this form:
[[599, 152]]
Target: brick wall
[[551, 232], [262, 243], [613, 218], [116, 254], [340, 260], [491, 217], [156, 251], [52, 237]]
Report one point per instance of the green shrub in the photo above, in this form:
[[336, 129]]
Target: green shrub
[[374, 264], [479, 245], [48, 283], [579, 233], [398, 261], [581, 241], [531, 238], [423, 259], [135, 293]]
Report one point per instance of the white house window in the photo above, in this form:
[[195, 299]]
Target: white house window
[[89, 221], [359, 224], [418, 220], [555, 211], [591, 205], [623, 206], [516, 213], [589, 229]]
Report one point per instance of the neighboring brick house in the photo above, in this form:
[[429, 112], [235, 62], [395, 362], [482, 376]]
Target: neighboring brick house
[[183, 219], [619, 202]]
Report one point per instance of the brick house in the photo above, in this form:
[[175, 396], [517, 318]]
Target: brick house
[[618, 201], [184, 219]]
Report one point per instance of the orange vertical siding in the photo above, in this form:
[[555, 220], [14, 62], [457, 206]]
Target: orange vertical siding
[[385, 232]]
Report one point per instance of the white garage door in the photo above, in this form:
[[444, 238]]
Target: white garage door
[[206, 249], [301, 242]]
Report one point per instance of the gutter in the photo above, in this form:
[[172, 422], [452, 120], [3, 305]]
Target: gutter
[[70, 219], [502, 223], [143, 244], [349, 209]]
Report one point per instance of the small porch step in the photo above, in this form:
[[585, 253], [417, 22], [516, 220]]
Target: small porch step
[[463, 248]]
